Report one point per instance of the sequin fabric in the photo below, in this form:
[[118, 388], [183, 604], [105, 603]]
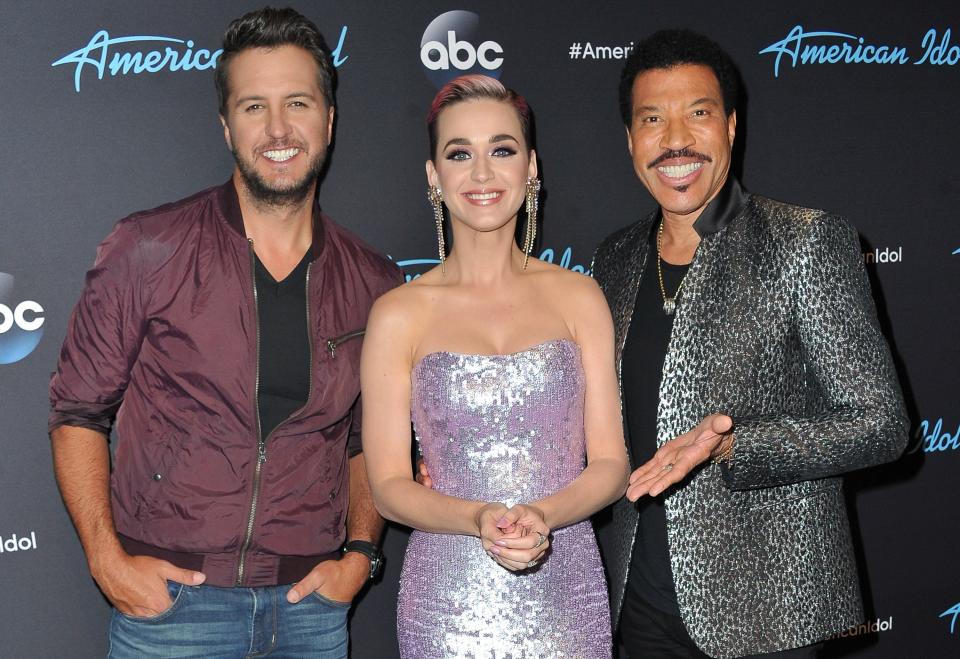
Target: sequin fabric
[[503, 428], [777, 328]]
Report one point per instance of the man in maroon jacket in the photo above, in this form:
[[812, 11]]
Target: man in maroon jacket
[[221, 333]]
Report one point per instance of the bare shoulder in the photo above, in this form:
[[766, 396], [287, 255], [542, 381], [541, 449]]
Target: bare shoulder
[[572, 291], [399, 311]]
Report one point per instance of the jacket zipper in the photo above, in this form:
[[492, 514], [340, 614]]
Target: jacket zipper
[[306, 297], [333, 344], [262, 444]]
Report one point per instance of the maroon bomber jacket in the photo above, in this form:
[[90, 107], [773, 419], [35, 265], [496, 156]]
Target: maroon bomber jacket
[[164, 342]]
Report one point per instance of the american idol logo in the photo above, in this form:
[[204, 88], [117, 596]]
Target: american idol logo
[[413, 268], [21, 323], [936, 437], [800, 47], [120, 56], [951, 614], [125, 55], [453, 45]]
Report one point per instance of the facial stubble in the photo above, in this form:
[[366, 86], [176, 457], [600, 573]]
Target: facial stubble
[[279, 196]]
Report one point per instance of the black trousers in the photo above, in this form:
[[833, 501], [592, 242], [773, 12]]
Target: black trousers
[[647, 633]]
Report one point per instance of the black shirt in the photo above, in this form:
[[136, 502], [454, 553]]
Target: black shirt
[[284, 344], [642, 366], [644, 352]]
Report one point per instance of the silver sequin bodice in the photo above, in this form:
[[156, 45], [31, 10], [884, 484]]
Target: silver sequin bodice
[[503, 428]]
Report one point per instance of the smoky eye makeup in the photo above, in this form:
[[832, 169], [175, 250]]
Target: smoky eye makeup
[[457, 154]]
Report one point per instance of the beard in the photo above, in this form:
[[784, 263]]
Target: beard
[[279, 195]]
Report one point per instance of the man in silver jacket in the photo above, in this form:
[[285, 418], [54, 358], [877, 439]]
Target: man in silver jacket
[[754, 375]]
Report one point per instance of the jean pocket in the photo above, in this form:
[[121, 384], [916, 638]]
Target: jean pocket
[[175, 590], [329, 602]]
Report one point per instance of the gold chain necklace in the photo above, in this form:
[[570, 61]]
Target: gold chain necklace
[[669, 303]]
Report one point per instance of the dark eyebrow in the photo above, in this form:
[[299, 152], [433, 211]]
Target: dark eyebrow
[[703, 100], [257, 97], [706, 100], [462, 141]]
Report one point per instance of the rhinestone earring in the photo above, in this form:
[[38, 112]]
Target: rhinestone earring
[[435, 195], [532, 207]]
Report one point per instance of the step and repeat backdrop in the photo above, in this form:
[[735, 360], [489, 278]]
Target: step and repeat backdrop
[[109, 107]]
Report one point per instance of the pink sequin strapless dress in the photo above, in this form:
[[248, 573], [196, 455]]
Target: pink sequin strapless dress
[[502, 428]]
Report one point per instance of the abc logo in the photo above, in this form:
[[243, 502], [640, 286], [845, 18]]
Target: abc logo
[[21, 324], [28, 316], [460, 54], [447, 48]]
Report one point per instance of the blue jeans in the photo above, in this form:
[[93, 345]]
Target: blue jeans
[[206, 622]]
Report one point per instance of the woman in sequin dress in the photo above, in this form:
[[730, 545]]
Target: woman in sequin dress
[[505, 365]]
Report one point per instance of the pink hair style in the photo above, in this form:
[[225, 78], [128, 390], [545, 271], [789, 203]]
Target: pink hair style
[[475, 87]]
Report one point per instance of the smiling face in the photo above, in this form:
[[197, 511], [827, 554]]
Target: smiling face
[[482, 163], [680, 138], [277, 123]]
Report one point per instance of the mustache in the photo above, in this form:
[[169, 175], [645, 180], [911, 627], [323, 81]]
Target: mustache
[[682, 153]]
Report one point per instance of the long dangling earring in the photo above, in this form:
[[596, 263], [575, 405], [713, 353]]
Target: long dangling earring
[[532, 207], [436, 200]]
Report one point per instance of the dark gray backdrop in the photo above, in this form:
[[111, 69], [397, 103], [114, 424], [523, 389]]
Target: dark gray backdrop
[[873, 141]]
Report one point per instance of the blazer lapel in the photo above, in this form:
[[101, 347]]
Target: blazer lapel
[[635, 254]]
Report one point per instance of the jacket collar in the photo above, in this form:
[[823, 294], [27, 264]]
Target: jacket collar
[[722, 209], [718, 214], [229, 203]]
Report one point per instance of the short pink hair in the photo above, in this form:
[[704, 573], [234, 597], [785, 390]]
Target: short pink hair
[[475, 87]]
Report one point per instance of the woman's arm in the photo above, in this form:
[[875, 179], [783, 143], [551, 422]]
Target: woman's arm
[[604, 480], [385, 367]]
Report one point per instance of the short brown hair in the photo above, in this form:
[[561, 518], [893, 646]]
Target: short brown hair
[[272, 28]]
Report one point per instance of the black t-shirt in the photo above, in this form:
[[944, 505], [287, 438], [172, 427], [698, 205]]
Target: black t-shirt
[[642, 368], [644, 352], [284, 344]]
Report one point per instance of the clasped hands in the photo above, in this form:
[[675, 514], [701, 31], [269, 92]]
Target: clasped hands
[[516, 537]]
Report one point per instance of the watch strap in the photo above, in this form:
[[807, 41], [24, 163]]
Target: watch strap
[[369, 550]]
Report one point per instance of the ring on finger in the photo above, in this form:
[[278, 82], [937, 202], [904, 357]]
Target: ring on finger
[[531, 564], [667, 467], [540, 540]]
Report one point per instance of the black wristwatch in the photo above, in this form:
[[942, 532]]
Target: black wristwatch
[[369, 550]]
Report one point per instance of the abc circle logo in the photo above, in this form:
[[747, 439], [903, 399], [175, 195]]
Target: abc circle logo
[[21, 323], [452, 45]]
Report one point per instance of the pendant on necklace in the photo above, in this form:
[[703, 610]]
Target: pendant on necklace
[[669, 305]]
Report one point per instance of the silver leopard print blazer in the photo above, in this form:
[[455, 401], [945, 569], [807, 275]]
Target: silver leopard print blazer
[[777, 328]]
